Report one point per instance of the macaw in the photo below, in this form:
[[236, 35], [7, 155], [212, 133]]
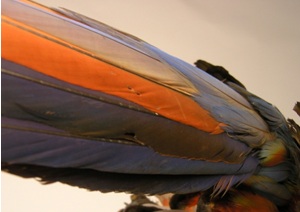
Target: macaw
[[91, 106]]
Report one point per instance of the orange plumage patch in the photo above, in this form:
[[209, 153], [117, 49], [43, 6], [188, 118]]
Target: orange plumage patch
[[241, 201], [69, 63], [273, 153]]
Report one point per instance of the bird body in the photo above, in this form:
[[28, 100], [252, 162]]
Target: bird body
[[91, 106]]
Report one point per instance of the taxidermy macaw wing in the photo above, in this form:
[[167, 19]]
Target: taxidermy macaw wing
[[78, 55], [90, 106]]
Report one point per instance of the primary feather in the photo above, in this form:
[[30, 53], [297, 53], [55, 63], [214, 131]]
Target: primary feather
[[90, 106]]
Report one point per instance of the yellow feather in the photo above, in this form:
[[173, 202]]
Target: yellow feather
[[273, 153]]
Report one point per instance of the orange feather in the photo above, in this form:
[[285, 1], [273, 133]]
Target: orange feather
[[76, 68]]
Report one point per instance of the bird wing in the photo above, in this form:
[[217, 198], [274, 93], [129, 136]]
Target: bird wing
[[81, 97]]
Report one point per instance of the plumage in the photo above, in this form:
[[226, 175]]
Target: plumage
[[91, 106], [184, 202], [140, 203], [238, 201], [297, 108]]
